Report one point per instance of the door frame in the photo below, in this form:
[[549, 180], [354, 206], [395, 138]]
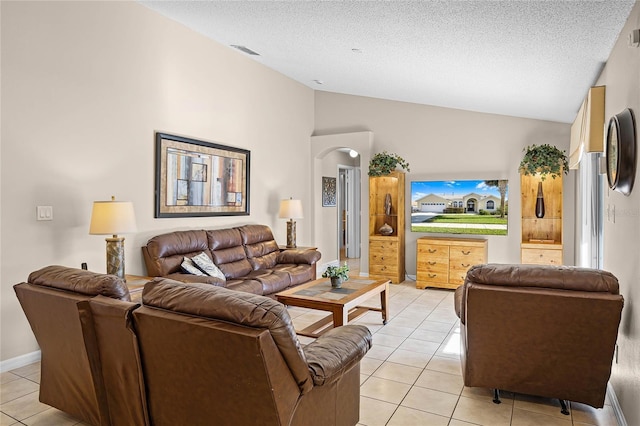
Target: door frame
[[350, 202]]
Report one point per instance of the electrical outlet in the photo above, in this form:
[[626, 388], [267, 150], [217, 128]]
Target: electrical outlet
[[44, 213]]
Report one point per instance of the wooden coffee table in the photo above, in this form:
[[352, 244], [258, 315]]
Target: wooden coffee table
[[343, 303]]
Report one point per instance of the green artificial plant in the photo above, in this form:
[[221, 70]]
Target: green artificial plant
[[544, 160], [341, 272], [384, 163]]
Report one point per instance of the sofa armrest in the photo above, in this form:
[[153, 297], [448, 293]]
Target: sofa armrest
[[336, 352], [308, 257], [202, 279]]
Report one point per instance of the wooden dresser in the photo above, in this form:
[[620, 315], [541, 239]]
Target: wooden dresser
[[443, 262]]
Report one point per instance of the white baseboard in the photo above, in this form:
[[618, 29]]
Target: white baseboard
[[617, 410], [19, 361]]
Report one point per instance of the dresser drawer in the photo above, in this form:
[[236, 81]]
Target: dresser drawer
[[432, 277], [467, 255], [433, 251], [383, 257], [542, 256], [457, 275], [428, 265], [383, 246], [388, 269]]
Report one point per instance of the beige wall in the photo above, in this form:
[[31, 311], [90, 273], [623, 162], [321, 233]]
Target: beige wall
[[84, 87], [441, 144], [622, 237]]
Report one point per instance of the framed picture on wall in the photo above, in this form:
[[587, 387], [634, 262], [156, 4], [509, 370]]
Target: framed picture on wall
[[328, 191], [196, 178]]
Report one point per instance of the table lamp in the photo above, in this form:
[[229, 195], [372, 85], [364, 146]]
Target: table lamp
[[113, 218], [291, 209]]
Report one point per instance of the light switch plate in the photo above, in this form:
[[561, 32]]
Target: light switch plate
[[44, 213]]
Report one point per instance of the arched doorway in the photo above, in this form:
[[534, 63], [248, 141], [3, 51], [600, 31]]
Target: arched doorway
[[325, 223]]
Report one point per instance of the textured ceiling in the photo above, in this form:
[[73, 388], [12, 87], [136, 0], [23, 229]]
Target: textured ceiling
[[533, 59]]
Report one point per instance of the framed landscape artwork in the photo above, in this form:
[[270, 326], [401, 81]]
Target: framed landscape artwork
[[196, 178]]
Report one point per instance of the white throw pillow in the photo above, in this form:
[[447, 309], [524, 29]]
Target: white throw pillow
[[188, 267], [206, 265]]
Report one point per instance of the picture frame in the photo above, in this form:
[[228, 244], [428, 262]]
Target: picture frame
[[621, 152], [194, 178], [328, 191]]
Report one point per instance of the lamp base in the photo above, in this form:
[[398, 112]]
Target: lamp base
[[115, 256], [291, 234]]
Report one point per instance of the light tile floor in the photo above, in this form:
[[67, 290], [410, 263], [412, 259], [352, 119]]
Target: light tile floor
[[411, 376]]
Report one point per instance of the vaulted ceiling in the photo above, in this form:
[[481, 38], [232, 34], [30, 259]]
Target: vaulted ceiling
[[533, 59]]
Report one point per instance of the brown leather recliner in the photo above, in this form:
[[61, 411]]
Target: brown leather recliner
[[216, 356], [49, 300], [539, 330]]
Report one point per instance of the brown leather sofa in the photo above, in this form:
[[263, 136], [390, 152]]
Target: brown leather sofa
[[49, 299], [539, 330], [248, 256]]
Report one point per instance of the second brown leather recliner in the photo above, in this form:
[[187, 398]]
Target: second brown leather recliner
[[210, 355]]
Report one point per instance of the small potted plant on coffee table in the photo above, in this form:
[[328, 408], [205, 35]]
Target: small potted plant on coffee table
[[337, 274]]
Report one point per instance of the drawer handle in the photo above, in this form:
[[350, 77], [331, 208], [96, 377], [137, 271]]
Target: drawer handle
[[432, 275], [431, 263], [466, 253], [432, 250], [466, 265]]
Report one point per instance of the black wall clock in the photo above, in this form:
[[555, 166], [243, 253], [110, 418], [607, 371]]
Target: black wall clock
[[621, 152]]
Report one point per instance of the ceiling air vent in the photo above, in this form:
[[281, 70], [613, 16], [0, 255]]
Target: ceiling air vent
[[245, 50]]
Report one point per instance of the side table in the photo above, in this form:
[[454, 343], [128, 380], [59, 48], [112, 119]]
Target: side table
[[136, 283]]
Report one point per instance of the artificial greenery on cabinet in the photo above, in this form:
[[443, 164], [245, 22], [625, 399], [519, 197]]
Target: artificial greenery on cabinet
[[384, 163]]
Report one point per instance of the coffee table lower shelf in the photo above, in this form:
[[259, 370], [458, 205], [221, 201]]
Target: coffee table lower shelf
[[319, 327]]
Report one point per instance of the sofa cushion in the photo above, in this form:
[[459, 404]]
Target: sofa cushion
[[80, 281], [206, 265], [298, 274], [228, 253], [272, 281], [261, 249], [249, 286], [236, 307]]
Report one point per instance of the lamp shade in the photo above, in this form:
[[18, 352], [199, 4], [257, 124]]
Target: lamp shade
[[291, 209], [112, 218]]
